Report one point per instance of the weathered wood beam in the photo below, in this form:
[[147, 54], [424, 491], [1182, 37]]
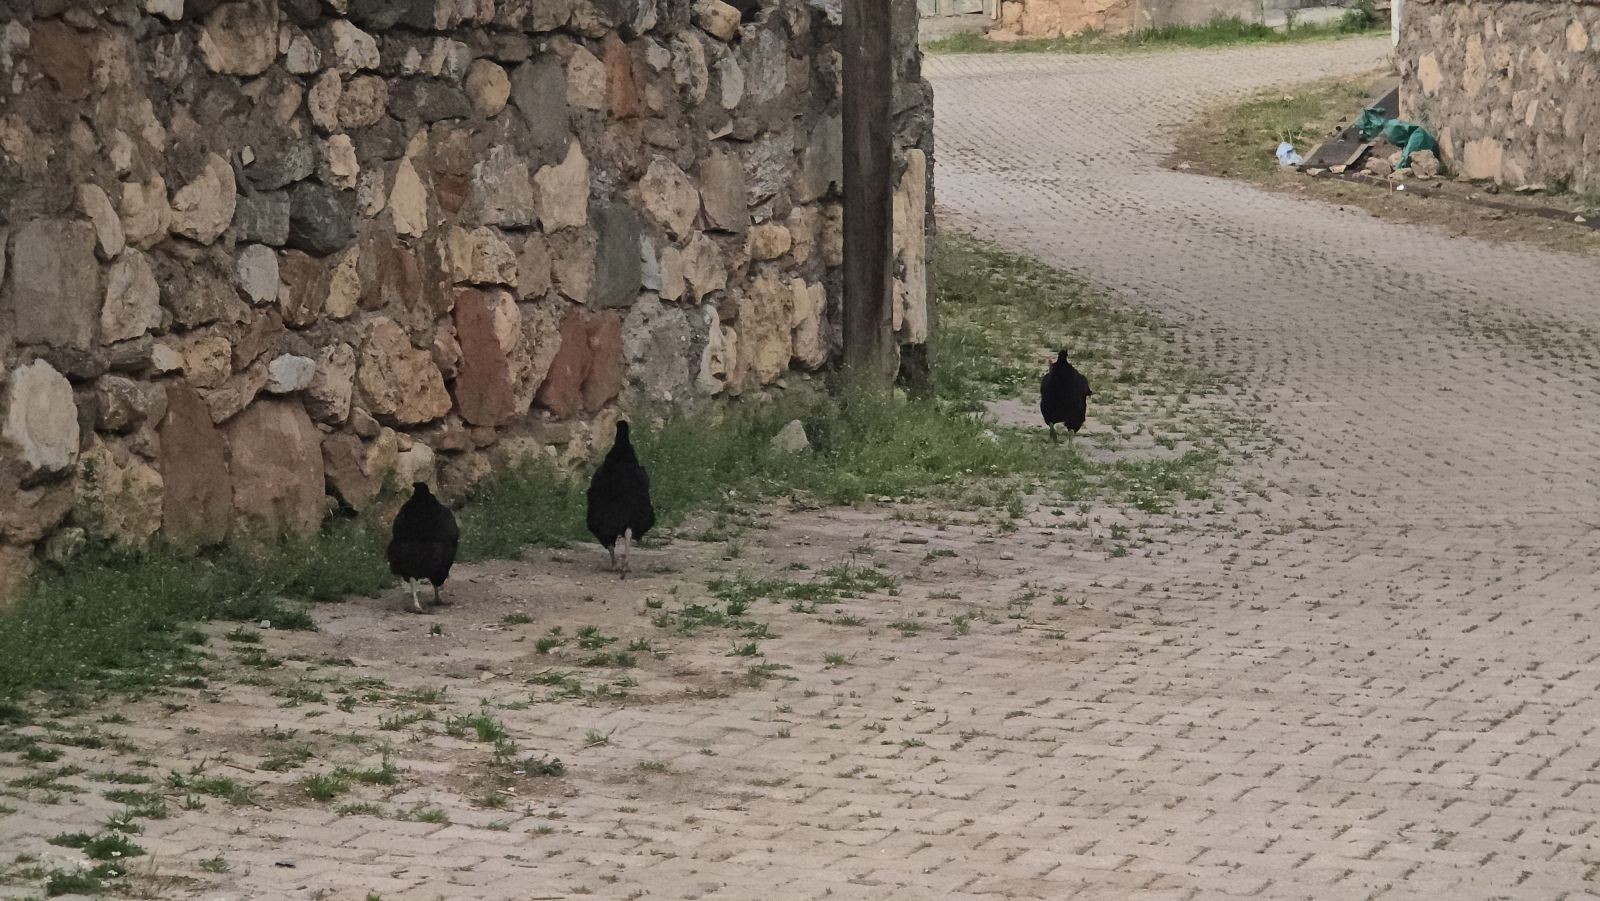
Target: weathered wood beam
[[868, 192]]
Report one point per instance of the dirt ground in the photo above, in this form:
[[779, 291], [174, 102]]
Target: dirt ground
[[868, 658]]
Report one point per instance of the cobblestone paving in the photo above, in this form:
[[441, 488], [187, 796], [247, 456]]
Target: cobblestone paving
[[1370, 673], [1397, 699]]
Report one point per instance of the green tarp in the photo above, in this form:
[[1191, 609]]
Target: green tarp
[[1371, 122], [1408, 136]]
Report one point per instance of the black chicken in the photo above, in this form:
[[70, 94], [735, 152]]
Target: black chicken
[[1064, 396], [619, 500], [423, 543]]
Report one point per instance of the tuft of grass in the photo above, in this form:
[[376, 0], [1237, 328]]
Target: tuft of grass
[[486, 728], [610, 659], [125, 778], [215, 786], [544, 766], [72, 882], [758, 673], [361, 808], [108, 847], [590, 638], [142, 804], [401, 720], [1221, 31], [423, 696], [324, 787], [125, 822], [384, 774], [47, 781]]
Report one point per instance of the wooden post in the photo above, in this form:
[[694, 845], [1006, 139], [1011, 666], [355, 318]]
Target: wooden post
[[868, 192]]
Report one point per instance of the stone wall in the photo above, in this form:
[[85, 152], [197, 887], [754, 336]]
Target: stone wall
[[260, 258], [1057, 18], [1509, 88]]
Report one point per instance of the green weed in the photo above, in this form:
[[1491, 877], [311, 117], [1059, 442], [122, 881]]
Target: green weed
[[1221, 31]]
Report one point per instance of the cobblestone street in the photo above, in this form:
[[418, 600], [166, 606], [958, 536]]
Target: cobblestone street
[[1370, 672], [1399, 702]]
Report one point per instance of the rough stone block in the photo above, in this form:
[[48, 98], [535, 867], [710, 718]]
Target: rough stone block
[[198, 486], [321, 219], [41, 421], [275, 456], [55, 299], [262, 218], [618, 271], [722, 192], [483, 386]]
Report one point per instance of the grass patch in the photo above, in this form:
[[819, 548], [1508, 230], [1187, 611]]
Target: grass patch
[[485, 728], [692, 618], [115, 619], [124, 778], [108, 847], [402, 720], [143, 804], [383, 774], [840, 582], [1002, 315], [216, 786], [425, 815], [48, 781], [1222, 31], [72, 882]]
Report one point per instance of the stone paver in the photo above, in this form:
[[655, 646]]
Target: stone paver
[[1373, 674]]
